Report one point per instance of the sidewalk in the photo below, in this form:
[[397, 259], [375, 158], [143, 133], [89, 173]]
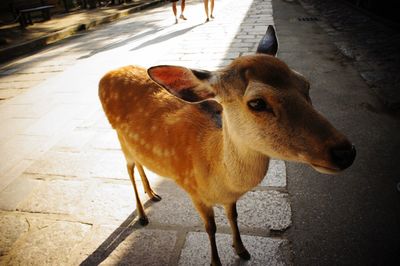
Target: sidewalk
[[65, 196], [19, 41]]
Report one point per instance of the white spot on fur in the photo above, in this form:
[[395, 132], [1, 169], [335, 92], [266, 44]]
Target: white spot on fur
[[157, 151], [166, 153], [134, 136], [114, 96]]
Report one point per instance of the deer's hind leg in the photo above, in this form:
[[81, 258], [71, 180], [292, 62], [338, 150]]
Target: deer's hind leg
[[130, 165], [149, 191], [139, 207]]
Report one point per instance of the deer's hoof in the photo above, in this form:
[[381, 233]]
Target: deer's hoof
[[156, 198], [245, 255], [144, 221]]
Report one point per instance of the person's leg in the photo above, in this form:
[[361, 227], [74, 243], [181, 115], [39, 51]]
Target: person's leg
[[175, 11], [206, 9], [212, 8], [182, 9]]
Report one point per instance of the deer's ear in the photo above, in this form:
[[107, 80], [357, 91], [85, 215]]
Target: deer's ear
[[269, 43], [188, 84]]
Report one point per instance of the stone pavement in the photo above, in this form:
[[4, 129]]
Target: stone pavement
[[65, 196], [371, 44], [44, 36], [15, 41]]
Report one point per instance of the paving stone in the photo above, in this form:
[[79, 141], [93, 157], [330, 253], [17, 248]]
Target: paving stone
[[6, 94], [11, 228], [75, 140], [175, 208], [36, 250], [55, 121], [23, 111], [144, 247], [25, 145], [17, 192], [107, 203], [107, 164], [261, 209], [87, 201], [22, 77], [14, 126], [56, 196], [263, 250], [276, 175], [14, 172], [105, 140], [97, 244], [97, 120]]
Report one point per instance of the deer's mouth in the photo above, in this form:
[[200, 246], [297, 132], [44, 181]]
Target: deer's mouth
[[325, 169]]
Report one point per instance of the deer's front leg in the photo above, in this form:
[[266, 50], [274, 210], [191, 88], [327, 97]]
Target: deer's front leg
[[231, 213], [207, 214]]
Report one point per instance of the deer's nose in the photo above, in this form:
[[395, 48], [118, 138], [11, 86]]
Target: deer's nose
[[343, 156]]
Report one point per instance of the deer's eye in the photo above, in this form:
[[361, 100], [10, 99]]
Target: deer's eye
[[259, 105]]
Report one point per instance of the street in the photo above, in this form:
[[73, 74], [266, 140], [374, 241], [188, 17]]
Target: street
[[65, 195]]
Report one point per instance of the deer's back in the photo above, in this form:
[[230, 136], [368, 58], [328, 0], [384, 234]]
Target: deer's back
[[155, 128]]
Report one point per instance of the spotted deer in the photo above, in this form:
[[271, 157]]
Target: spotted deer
[[214, 132]]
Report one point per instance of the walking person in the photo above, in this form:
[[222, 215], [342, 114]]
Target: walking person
[[174, 9], [211, 9]]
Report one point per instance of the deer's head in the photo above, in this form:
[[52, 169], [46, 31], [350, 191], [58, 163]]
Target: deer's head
[[266, 107]]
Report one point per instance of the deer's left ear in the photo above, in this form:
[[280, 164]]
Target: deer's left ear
[[187, 84], [268, 43]]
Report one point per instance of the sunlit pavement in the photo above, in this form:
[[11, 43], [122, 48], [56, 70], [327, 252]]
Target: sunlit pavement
[[65, 194]]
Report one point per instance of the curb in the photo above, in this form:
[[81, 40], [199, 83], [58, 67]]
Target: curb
[[24, 48]]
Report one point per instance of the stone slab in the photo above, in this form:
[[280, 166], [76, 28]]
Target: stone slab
[[35, 247], [276, 175], [263, 250], [26, 147], [107, 164], [259, 209], [17, 192], [144, 247], [175, 208], [89, 201], [11, 228], [57, 196], [263, 210], [74, 141]]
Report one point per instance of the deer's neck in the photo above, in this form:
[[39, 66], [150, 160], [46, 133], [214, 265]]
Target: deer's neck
[[244, 168]]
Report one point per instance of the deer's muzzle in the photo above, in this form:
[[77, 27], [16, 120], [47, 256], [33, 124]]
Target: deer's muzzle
[[343, 156]]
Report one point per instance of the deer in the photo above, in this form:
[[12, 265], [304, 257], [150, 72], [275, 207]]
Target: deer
[[214, 132]]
